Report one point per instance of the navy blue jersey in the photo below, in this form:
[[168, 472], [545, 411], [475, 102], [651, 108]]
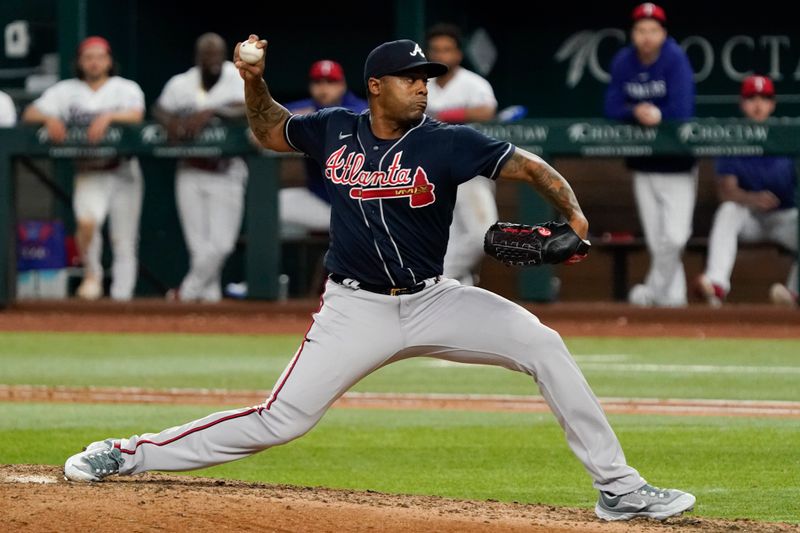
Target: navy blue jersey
[[774, 174], [667, 83], [314, 180], [392, 200]]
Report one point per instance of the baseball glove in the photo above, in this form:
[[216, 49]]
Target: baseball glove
[[522, 245]]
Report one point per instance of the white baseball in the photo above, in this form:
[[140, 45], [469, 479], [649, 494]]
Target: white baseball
[[250, 53]]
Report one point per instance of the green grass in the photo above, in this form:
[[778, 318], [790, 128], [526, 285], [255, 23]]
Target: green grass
[[737, 467], [625, 367]]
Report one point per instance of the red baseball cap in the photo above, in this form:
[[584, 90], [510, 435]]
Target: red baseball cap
[[757, 86], [326, 69], [648, 10], [94, 40]]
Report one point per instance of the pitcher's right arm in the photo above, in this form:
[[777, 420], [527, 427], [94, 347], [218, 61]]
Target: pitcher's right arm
[[267, 117]]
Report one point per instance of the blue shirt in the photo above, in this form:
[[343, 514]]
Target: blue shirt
[[763, 173], [392, 200], [314, 179], [667, 83]]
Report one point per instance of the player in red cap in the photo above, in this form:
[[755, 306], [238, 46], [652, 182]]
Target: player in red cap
[[309, 208], [104, 187], [651, 81], [757, 195]]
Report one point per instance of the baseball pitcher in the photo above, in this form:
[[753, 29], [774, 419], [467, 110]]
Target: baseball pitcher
[[392, 174]]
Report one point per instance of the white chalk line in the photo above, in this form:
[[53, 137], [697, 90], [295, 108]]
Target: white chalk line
[[614, 363], [10, 478]]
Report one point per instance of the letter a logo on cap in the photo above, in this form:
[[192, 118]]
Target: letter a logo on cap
[[417, 50]]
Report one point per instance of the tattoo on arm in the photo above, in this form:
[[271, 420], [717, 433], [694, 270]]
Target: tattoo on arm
[[263, 113], [545, 179]]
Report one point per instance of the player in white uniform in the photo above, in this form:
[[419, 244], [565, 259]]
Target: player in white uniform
[[209, 191], [107, 187], [457, 97], [8, 113]]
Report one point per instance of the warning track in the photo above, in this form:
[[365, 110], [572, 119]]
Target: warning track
[[372, 400]]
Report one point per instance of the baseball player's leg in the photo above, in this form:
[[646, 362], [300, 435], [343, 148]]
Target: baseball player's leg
[[226, 208], [674, 197], [475, 211], [680, 194], [194, 213], [90, 203], [302, 209], [126, 209], [732, 222], [782, 229], [648, 207], [484, 328], [353, 334]]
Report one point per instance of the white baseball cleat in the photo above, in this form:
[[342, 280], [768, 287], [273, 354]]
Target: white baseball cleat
[[97, 461], [779, 294], [647, 501], [713, 294], [90, 289], [641, 295]]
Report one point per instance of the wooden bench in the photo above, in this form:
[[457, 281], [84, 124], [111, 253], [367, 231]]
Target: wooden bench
[[620, 245]]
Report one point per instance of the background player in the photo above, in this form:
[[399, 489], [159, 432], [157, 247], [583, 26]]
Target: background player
[[8, 113], [651, 80], [757, 196], [209, 191], [392, 175], [309, 207], [110, 187], [461, 96]]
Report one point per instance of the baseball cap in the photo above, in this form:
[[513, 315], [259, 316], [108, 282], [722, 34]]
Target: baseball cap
[[397, 56], [326, 69], [94, 40], [757, 86], [649, 10]]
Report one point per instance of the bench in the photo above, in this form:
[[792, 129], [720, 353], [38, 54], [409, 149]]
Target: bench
[[620, 245]]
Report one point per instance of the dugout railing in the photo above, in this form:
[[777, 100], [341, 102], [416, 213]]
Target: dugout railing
[[583, 138]]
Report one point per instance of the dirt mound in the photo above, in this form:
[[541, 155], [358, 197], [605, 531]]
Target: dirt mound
[[36, 498]]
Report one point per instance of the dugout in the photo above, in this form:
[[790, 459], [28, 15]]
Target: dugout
[[553, 62]]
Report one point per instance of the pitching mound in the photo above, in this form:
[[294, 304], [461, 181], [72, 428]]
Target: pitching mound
[[36, 498]]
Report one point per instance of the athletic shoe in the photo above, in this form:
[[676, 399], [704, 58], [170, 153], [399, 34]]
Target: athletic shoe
[[641, 295], [712, 293], [90, 289], [97, 461], [779, 294], [647, 501]]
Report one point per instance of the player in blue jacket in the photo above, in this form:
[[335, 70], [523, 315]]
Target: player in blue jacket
[[651, 81], [392, 175], [309, 207], [757, 197]]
